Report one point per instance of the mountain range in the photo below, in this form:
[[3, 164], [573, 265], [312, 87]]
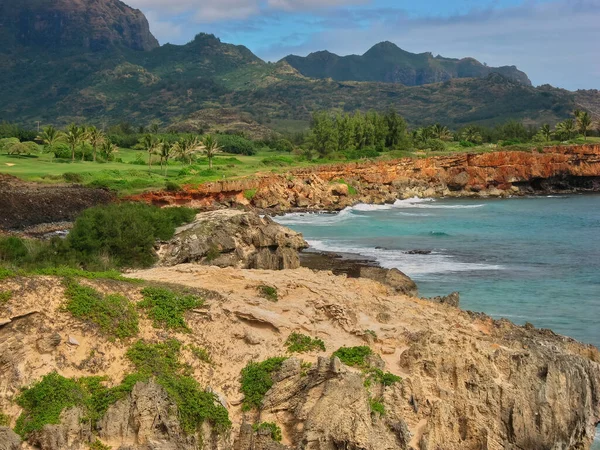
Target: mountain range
[[96, 61]]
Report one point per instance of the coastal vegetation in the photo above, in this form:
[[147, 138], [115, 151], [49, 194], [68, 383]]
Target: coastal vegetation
[[257, 380], [167, 308], [103, 238], [301, 343]]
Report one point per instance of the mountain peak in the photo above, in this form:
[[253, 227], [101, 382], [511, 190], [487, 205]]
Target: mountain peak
[[87, 24], [388, 63]]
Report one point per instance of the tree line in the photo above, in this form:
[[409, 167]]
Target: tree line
[[334, 132]]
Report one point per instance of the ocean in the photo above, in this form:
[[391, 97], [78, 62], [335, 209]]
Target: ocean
[[534, 259]]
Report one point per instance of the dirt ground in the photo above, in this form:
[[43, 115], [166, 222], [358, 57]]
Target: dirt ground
[[24, 204]]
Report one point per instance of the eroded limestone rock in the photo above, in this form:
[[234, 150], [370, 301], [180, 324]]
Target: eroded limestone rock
[[231, 238]]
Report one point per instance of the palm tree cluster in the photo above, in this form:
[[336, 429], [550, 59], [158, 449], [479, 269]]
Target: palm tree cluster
[[580, 123], [184, 148], [76, 136]]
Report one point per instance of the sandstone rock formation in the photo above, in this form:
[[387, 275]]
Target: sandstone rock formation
[[495, 174], [468, 382], [64, 24], [232, 238]]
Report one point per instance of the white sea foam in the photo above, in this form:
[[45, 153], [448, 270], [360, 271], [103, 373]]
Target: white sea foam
[[430, 203], [413, 265]]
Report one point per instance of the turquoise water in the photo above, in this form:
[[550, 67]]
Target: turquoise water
[[526, 259]]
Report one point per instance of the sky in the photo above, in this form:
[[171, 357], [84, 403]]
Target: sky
[[555, 42]]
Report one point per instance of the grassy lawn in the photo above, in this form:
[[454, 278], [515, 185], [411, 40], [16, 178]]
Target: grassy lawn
[[128, 177]]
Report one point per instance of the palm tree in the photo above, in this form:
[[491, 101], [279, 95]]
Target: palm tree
[[188, 147], [107, 149], [470, 134], [441, 132], [584, 123], [74, 136], [153, 128], [96, 138], [210, 148], [149, 144], [546, 131], [165, 149], [566, 128], [50, 136]]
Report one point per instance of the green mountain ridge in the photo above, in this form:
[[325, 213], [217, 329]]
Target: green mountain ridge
[[386, 62], [129, 78]]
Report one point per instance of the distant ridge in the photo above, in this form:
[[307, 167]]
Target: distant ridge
[[386, 62]]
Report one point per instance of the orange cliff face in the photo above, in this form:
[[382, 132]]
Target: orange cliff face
[[496, 174]]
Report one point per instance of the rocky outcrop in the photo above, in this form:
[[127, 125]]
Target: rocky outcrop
[[467, 382], [494, 174], [397, 280], [232, 238], [9, 440], [452, 299], [63, 24]]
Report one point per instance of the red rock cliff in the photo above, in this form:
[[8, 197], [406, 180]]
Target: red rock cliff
[[556, 169]]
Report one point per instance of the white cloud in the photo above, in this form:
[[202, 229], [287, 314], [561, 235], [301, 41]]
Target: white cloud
[[163, 30]]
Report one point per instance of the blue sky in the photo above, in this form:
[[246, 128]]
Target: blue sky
[[553, 41]]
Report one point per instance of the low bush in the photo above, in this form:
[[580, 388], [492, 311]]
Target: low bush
[[43, 402], [377, 406], [257, 380], [114, 314], [273, 429], [5, 296], [71, 177], [98, 445], [301, 343], [167, 308], [172, 187], [354, 356], [194, 405], [4, 420], [235, 144], [385, 378], [200, 353], [125, 232], [249, 194], [268, 292]]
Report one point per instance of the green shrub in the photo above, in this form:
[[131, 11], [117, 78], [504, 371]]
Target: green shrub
[[71, 177], [278, 161], [257, 380], [13, 249], [268, 292], [43, 402], [170, 186], [115, 315], [126, 232], [194, 405], [351, 189], [354, 356], [239, 145], [167, 308], [161, 359], [301, 343], [273, 429], [377, 406], [436, 145], [200, 353], [5, 296], [8, 142], [98, 445], [249, 194], [385, 378], [4, 420], [467, 144]]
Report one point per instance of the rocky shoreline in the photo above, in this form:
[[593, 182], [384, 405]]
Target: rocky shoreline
[[555, 170]]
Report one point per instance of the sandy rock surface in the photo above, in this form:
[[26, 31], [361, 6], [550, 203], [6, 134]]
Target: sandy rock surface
[[469, 382]]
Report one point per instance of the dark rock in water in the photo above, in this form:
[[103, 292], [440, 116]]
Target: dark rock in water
[[418, 252], [452, 299], [391, 277], [230, 238]]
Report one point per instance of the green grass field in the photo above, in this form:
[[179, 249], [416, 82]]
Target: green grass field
[[128, 177]]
